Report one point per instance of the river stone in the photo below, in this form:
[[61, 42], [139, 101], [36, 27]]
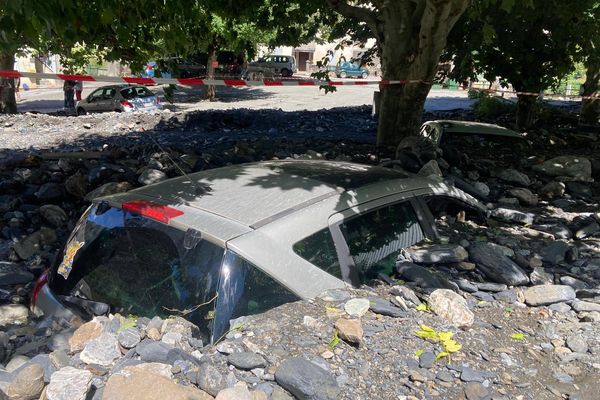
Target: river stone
[[577, 344], [86, 332], [553, 189], [69, 383], [555, 252], [585, 306], [356, 307], [210, 379], [496, 266], [451, 306], [27, 384], [306, 381], [142, 385], [570, 166], [54, 215], [129, 338], [13, 314], [76, 185], [509, 215], [16, 362], [476, 391], [150, 176], [349, 330], [421, 276], [13, 274], [246, 360], [525, 196], [384, 307], [161, 369], [511, 175], [548, 294], [103, 350], [433, 254]]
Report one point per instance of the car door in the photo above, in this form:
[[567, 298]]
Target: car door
[[107, 101], [91, 102]]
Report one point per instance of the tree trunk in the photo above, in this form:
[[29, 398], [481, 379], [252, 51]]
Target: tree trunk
[[211, 91], [8, 102], [525, 111], [412, 37], [590, 108]]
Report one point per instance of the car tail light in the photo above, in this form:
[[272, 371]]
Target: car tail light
[[125, 103], [152, 210], [39, 284]]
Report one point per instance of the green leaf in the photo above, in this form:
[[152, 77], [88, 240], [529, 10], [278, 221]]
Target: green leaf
[[441, 354], [107, 16], [507, 5], [419, 352], [517, 336], [423, 307], [335, 340]]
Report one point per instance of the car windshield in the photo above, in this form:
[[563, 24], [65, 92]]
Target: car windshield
[[140, 266], [135, 92]]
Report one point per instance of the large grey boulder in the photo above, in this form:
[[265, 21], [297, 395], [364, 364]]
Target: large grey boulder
[[579, 168], [306, 381], [548, 294], [496, 266]]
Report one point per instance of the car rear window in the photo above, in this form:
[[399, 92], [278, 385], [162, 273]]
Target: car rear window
[[135, 92], [140, 266], [376, 238]]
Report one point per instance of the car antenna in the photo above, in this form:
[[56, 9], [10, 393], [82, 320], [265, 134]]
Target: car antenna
[[198, 190]]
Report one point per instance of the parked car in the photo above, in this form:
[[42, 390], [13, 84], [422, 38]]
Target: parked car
[[284, 65], [242, 239], [126, 98], [347, 69]]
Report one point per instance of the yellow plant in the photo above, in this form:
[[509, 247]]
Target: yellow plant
[[444, 338]]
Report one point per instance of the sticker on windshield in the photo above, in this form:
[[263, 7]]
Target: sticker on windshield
[[67, 264]]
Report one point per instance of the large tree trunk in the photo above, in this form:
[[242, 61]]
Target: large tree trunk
[[590, 108], [211, 91], [413, 35], [8, 103], [525, 111]]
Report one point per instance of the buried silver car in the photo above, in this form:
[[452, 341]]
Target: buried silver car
[[239, 240], [125, 98]]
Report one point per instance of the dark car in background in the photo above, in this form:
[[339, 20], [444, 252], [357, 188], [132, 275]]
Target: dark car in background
[[350, 70], [122, 98]]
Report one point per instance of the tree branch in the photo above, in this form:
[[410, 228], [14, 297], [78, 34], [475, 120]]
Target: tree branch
[[359, 13]]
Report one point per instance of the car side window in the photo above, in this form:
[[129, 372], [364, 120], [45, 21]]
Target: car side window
[[109, 93], [319, 250], [245, 290], [376, 238], [96, 95]]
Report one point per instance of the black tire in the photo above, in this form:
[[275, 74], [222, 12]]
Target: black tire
[[81, 111], [343, 74], [364, 75], [286, 73]]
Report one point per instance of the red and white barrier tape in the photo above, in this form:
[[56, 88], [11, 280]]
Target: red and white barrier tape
[[242, 82]]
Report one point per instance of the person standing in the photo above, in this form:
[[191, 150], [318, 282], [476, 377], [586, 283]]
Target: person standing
[[17, 88], [68, 88], [78, 90]]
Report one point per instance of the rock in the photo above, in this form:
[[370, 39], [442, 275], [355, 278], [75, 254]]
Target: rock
[[466, 266], [421, 277], [54, 215], [406, 293], [150, 176], [69, 383], [76, 185], [525, 196], [210, 379], [508, 296], [153, 351], [577, 344], [384, 307], [579, 189], [33, 243], [27, 384], [153, 368], [108, 189], [427, 360], [430, 168], [585, 306], [482, 188], [579, 168], [103, 350], [555, 252], [496, 266], [548, 294], [587, 230], [142, 385], [433, 254], [476, 391], [13, 314], [13, 274], [86, 332], [573, 282], [539, 276], [506, 214], [238, 392], [306, 381], [560, 307], [513, 176], [553, 189], [491, 287], [356, 307], [508, 201], [129, 338], [50, 192], [246, 360], [349, 330], [451, 306], [16, 362], [470, 375]]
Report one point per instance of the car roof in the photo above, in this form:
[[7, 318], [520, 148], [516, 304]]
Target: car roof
[[475, 127], [120, 86], [245, 197]]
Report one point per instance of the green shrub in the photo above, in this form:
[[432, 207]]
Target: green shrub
[[493, 107]]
